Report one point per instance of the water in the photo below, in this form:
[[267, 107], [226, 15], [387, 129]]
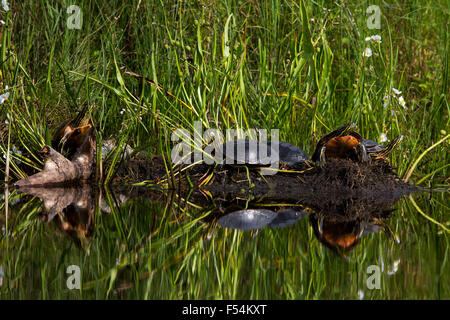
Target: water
[[154, 244]]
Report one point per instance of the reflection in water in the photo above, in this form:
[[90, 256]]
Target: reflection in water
[[71, 209], [339, 223], [340, 228]]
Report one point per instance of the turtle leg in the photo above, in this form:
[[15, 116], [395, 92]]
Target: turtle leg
[[322, 156], [364, 155]]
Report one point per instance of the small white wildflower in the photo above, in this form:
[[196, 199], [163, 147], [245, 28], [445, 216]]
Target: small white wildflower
[[5, 234], [2, 274], [402, 101], [376, 38], [360, 294], [368, 38], [394, 268], [2, 22], [383, 137], [4, 97], [367, 53], [385, 101], [5, 5], [6, 87], [396, 91], [8, 116]]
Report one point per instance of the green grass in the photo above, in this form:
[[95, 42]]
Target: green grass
[[229, 64]]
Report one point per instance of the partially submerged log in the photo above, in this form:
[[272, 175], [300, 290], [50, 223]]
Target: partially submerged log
[[60, 171]]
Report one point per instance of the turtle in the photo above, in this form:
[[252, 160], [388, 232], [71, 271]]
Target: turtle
[[67, 129], [253, 219], [346, 143], [75, 138], [261, 153], [342, 236], [378, 151]]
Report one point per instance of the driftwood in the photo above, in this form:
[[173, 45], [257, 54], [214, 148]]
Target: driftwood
[[60, 171]]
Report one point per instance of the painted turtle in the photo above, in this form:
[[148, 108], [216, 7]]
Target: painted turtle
[[342, 236], [261, 153], [346, 143], [376, 150], [75, 138], [340, 143], [67, 127]]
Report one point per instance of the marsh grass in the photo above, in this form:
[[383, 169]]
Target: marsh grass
[[290, 65]]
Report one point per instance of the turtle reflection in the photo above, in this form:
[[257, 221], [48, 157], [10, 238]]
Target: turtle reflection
[[339, 226], [251, 219]]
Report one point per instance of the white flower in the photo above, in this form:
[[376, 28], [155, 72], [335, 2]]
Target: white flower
[[4, 97], [385, 101], [367, 52], [376, 38], [396, 91], [2, 22], [2, 274], [368, 38], [402, 101], [5, 5], [383, 137], [394, 268], [360, 294]]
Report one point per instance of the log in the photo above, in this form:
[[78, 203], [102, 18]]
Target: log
[[60, 171]]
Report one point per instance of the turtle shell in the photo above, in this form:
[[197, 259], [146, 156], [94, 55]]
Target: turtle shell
[[290, 154], [249, 152], [253, 152], [372, 146], [340, 143]]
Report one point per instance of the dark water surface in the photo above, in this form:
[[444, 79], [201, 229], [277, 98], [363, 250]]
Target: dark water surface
[[158, 244]]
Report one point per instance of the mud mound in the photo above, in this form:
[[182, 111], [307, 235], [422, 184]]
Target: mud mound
[[347, 176]]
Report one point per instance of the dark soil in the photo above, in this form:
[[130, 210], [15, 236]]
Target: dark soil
[[343, 188]]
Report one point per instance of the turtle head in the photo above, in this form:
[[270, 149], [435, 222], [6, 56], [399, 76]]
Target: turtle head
[[75, 138]]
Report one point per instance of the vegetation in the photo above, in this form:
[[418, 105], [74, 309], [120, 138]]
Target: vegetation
[[297, 66]]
